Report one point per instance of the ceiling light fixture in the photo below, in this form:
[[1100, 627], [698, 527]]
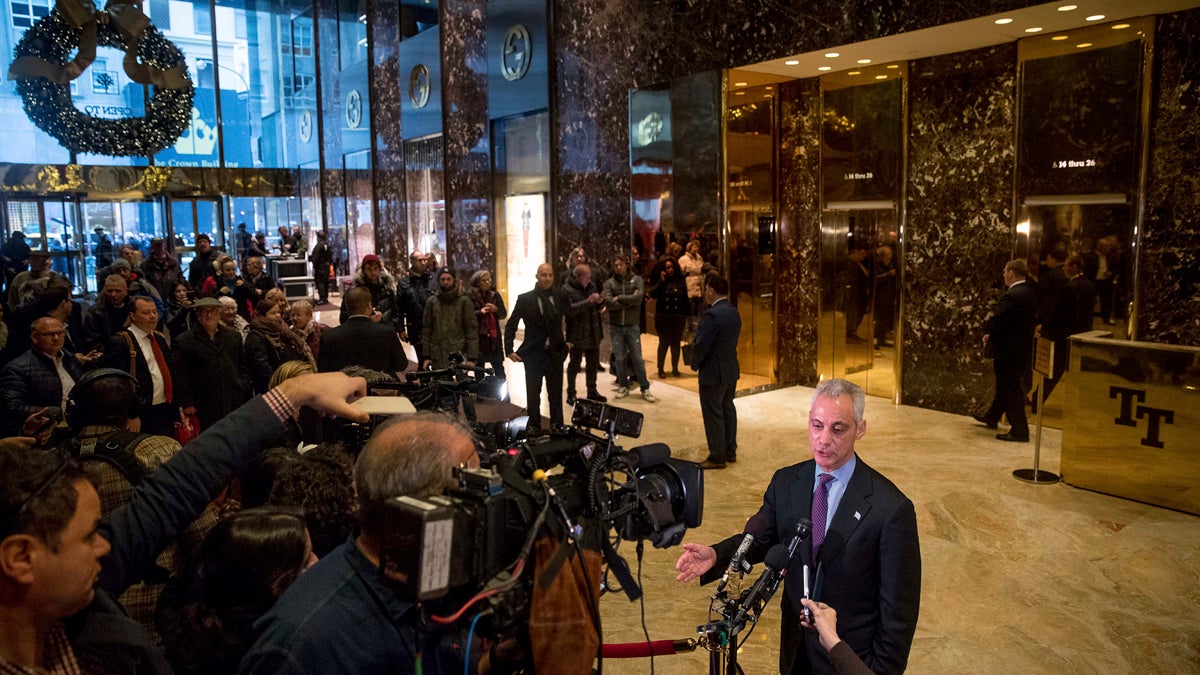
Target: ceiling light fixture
[[740, 84], [1120, 26], [1059, 37], [1035, 29], [1001, 22], [855, 72], [864, 61], [824, 68], [881, 77], [832, 55], [739, 93], [1094, 17], [792, 62], [1068, 8], [894, 65], [1083, 45]]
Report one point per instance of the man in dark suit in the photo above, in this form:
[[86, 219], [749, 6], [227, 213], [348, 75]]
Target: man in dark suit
[[863, 553], [715, 357], [1009, 336], [1071, 314], [143, 352], [544, 348], [361, 341]]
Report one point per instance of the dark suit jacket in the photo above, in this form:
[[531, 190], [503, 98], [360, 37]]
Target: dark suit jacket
[[537, 331], [869, 568], [116, 355], [1010, 328], [715, 350], [216, 370], [362, 342]]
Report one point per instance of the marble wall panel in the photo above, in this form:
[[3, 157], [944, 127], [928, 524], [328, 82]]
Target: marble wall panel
[[797, 264], [1169, 279], [391, 233], [469, 239], [959, 227], [329, 91]]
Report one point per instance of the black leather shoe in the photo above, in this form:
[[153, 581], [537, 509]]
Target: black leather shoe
[[985, 421], [730, 458], [711, 466], [571, 399], [1012, 439], [595, 396]]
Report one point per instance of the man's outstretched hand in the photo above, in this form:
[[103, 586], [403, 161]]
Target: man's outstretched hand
[[327, 393], [695, 561]]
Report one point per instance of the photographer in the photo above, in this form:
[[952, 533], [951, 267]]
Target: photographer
[[340, 616], [54, 614]]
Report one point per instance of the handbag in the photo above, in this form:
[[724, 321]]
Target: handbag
[[187, 429], [686, 350]]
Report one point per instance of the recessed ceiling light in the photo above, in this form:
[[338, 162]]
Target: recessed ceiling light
[[768, 88], [1068, 8], [740, 84], [766, 96], [855, 72], [1094, 17], [1035, 29], [864, 60], [881, 77], [1120, 26], [893, 65], [739, 93], [832, 55], [791, 63], [824, 68], [1084, 45], [1059, 37], [1001, 22]]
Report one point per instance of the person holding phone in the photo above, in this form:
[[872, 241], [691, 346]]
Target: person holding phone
[[39, 381]]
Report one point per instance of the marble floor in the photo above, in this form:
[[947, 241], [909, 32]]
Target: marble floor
[[1017, 578]]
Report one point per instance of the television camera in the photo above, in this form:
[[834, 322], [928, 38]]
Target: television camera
[[472, 547]]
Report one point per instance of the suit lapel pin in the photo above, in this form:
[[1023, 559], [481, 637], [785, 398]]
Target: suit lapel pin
[[857, 515]]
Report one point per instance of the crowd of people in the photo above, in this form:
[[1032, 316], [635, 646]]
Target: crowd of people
[[257, 548]]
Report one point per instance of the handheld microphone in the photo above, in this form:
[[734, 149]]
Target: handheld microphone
[[736, 562], [760, 594]]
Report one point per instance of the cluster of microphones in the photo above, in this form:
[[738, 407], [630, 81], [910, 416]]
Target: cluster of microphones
[[750, 604]]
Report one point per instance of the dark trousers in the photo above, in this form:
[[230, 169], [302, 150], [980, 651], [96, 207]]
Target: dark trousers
[[720, 421], [1010, 398], [548, 367], [159, 420], [321, 281], [670, 333], [578, 353]]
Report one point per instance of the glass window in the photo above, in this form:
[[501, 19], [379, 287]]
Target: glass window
[[352, 32], [25, 13], [203, 18], [159, 12]]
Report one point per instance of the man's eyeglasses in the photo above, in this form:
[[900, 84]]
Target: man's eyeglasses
[[13, 522]]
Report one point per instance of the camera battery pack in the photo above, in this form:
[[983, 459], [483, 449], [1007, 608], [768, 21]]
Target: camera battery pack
[[416, 554]]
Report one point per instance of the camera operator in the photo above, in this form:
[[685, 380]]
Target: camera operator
[[61, 566], [339, 616]]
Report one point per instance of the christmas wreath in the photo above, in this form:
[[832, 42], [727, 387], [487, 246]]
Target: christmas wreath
[[44, 75]]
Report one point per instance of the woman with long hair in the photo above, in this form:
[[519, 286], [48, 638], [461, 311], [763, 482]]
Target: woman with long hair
[[247, 561], [671, 311], [181, 314], [270, 343]]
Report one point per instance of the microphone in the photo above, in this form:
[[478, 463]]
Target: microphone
[[651, 454], [735, 563], [760, 594]]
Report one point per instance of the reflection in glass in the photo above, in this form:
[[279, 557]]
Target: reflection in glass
[[424, 181]]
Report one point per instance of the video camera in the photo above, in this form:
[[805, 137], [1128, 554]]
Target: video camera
[[475, 540]]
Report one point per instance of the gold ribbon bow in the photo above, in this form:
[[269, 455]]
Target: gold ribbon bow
[[130, 22]]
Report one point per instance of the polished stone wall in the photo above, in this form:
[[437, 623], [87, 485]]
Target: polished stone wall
[[959, 223], [330, 110], [1169, 288], [469, 237], [391, 232], [797, 263]]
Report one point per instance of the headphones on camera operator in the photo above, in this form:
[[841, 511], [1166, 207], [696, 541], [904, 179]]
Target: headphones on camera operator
[[96, 399]]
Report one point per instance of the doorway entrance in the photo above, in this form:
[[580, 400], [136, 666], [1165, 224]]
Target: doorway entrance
[[859, 302]]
